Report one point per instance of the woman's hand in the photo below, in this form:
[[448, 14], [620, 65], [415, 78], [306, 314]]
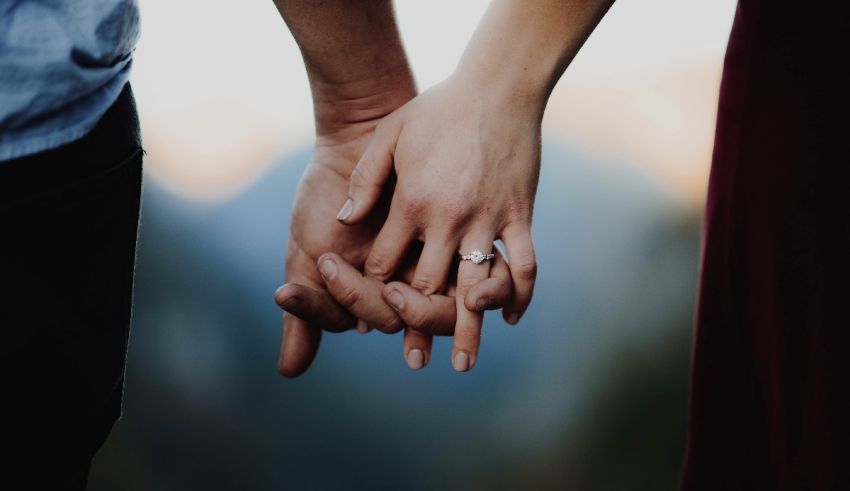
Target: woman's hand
[[467, 164]]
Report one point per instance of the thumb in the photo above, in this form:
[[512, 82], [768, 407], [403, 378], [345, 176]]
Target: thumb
[[370, 174]]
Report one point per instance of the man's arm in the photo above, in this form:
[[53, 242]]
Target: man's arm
[[358, 73], [354, 57]]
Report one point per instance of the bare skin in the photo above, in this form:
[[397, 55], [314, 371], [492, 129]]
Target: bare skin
[[466, 154], [357, 77], [319, 296]]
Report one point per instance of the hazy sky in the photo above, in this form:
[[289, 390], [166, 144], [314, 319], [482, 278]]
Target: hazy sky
[[222, 91]]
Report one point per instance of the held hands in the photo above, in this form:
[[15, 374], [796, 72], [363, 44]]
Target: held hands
[[467, 167], [466, 156], [327, 291]]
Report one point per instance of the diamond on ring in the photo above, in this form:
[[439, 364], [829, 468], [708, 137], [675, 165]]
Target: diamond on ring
[[477, 257]]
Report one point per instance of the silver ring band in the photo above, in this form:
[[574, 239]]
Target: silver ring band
[[477, 257]]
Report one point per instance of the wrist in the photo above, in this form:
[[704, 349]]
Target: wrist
[[507, 79], [341, 105], [520, 49], [517, 95]]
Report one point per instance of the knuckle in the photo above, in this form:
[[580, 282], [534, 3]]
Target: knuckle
[[425, 285], [413, 203], [362, 177], [453, 212], [502, 285], [391, 326], [521, 210], [465, 284], [378, 265], [526, 269], [418, 319], [358, 180], [348, 297]]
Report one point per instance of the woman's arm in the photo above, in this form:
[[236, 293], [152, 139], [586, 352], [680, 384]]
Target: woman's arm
[[521, 48], [467, 156]]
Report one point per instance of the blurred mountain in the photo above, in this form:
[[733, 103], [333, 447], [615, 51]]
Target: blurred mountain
[[577, 391]]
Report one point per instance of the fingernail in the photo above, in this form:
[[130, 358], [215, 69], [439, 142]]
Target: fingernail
[[290, 302], [362, 327], [461, 361], [328, 269], [415, 359], [513, 319], [396, 300], [481, 304], [345, 211]]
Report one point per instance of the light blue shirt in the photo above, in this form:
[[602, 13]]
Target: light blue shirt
[[62, 64]]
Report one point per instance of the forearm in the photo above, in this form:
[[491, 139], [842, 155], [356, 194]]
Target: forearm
[[521, 48], [355, 60]]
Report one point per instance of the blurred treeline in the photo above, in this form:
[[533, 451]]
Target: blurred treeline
[[588, 393]]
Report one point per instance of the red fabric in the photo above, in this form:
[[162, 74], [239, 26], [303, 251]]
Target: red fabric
[[770, 369]]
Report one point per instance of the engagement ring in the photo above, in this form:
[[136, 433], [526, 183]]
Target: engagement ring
[[476, 257]]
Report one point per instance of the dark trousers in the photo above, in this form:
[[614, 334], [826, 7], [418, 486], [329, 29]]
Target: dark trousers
[[68, 222]]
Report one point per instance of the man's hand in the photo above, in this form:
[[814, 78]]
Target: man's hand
[[313, 231], [358, 73]]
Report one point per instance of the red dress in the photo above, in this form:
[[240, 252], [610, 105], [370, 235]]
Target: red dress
[[769, 386]]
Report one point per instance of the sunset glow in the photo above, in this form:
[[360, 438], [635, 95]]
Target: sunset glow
[[223, 94]]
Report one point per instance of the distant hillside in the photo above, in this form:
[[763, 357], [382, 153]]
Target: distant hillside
[[205, 408]]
